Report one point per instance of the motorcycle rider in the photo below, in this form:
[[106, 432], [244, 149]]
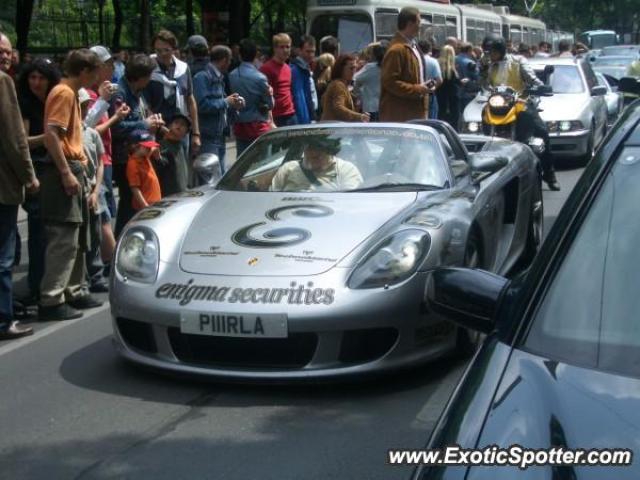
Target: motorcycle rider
[[497, 67]]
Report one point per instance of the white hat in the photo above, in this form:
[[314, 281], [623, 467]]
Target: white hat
[[83, 96], [103, 53]]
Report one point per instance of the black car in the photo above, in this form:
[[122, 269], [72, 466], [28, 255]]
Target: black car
[[560, 366]]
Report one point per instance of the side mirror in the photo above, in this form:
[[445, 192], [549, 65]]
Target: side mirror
[[548, 70], [468, 297], [486, 163], [598, 91]]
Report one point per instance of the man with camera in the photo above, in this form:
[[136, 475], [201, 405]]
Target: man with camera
[[252, 85], [213, 104]]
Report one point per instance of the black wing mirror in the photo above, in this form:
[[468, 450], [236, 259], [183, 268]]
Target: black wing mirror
[[598, 91], [465, 296], [486, 163]]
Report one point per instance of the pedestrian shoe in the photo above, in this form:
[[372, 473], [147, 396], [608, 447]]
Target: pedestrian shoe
[[100, 287], [85, 302], [551, 180], [58, 312], [15, 330]]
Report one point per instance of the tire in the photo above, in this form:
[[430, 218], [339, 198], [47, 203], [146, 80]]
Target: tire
[[584, 161], [535, 229], [468, 341]]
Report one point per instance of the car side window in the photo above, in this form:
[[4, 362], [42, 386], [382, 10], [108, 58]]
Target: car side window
[[589, 316]]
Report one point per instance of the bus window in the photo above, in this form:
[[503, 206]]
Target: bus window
[[426, 29], [516, 34], [471, 31], [452, 27], [526, 36], [386, 24], [439, 29], [354, 30]]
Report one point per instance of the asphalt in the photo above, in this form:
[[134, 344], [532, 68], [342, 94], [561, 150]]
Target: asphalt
[[71, 409]]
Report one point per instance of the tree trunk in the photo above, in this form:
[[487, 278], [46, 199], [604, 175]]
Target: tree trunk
[[101, 21], [239, 20], [24, 12], [188, 11], [145, 25], [117, 24]]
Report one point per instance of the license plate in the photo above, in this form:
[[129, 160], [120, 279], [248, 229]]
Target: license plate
[[234, 324]]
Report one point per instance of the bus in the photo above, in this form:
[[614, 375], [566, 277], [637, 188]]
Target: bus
[[597, 39], [356, 23]]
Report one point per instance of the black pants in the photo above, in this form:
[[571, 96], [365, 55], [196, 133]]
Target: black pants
[[125, 209], [530, 124]]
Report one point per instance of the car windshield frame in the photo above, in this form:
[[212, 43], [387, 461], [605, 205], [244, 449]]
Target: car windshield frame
[[384, 158]]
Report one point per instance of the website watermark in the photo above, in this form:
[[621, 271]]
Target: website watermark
[[513, 456]]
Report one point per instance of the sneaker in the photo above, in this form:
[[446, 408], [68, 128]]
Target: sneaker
[[58, 312], [15, 330], [85, 302]]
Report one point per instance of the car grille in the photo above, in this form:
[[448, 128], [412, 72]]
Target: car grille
[[360, 346], [137, 335], [296, 351]]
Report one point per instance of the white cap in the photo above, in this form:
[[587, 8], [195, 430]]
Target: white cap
[[83, 96], [103, 53]]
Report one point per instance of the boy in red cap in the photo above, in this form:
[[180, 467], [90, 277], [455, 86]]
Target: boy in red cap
[[141, 176]]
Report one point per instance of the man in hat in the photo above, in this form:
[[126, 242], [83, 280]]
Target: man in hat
[[320, 169], [198, 53]]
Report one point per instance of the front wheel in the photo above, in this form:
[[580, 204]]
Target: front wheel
[[468, 341]]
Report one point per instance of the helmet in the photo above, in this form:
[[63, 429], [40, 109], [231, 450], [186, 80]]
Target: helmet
[[499, 46], [489, 40]]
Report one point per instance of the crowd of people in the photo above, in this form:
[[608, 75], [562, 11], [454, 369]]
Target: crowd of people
[[75, 129]]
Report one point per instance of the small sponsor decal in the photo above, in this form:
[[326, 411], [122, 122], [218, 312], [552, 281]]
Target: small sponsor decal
[[148, 214], [252, 261], [164, 203], [189, 194], [296, 294], [306, 258]]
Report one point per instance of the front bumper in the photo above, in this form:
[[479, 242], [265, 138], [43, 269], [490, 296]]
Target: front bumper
[[362, 331], [570, 144]]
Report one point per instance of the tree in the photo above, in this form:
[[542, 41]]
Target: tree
[[24, 13], [117, 24]]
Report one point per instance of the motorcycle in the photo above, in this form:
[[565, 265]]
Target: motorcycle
[[499, 109]]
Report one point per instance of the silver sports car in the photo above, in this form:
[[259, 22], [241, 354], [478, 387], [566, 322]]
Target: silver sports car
[[310, 256]]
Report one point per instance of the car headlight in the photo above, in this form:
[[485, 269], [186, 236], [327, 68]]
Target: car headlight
[[473, 127], [565, 126], [391, 261], [138, 255], [497, 101]]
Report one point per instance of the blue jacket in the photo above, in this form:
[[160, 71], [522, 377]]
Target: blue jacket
[[252, 85], [301, 91], [123, 131], [208, 90]]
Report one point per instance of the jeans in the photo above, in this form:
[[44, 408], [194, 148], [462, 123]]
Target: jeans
[[286, 121], [433, 107], [217, 147], [8, 229], [36, 244], [108, 182]]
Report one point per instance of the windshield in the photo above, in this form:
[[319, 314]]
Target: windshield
[[355, 30], [600, 40], [594, 322], [612, 61], [340, 159], [564, 79]]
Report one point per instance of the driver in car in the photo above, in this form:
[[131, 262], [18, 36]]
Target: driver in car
[[320, 169]]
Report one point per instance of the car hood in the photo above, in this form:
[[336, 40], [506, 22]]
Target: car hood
[[542, 403], [563, 106], [260, 234]]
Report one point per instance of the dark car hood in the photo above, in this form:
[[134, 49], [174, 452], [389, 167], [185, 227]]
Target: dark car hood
[[542, 403]]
